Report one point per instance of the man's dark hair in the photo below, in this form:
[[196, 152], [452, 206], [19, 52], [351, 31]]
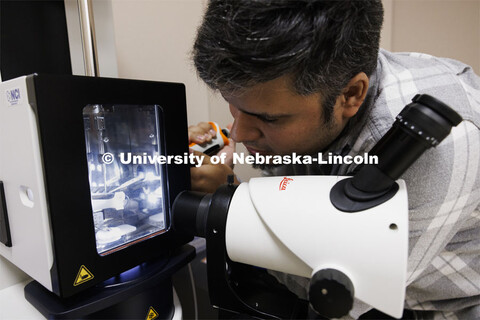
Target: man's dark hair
[[320, 45]]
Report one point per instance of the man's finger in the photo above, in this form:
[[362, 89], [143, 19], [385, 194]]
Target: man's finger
[[201, 133], [200, 157]]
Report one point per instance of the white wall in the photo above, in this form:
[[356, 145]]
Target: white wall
[[445, 28], [154, 39]]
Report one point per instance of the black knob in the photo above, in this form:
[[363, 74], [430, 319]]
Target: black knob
[[331, 293]]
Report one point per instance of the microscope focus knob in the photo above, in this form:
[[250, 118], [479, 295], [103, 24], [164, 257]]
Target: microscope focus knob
[[331, 293]]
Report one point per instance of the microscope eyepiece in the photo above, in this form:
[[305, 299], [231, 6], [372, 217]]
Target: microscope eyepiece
[[190, 212], [422, 124], [428, 118]]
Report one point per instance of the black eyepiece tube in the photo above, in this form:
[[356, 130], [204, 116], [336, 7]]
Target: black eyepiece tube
[[190, 211], [422, 124]]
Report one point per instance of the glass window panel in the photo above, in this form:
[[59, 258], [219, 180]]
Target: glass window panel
[[126, 183]]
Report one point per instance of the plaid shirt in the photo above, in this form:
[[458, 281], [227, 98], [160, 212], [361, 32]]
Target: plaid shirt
[[443, 185]]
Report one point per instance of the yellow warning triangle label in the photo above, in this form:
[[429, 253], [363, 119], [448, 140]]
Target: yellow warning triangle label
[[152, 314], [83, 276]]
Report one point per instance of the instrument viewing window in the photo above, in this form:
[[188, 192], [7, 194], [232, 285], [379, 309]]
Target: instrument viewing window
[[126, 183]]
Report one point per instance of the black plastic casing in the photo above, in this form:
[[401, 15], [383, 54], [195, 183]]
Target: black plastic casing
[[58, 104]]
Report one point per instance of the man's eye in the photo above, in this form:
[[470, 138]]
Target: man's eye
[[268, 119]]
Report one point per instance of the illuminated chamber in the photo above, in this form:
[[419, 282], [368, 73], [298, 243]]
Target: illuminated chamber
[[126, 183]]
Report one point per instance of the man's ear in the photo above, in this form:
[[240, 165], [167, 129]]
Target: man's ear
[[354, 94]]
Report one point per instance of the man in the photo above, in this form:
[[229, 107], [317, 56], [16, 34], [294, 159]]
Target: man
[[308, 77]]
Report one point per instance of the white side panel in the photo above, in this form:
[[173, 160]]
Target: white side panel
[[22, 174], [296, 218]]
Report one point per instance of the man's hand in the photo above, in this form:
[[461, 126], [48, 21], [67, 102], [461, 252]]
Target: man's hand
[[201, 133], [208, 177]]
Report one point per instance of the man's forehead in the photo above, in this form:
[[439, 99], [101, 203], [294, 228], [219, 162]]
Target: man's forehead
[[273, 98], [259, 102], [281, 85]]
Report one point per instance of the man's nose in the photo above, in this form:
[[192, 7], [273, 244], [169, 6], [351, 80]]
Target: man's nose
[[244, 128]]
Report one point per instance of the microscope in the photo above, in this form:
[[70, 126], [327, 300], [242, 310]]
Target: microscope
[[347, 234]]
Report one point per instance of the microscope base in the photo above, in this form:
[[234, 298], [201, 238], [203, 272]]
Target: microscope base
[[144, 292]]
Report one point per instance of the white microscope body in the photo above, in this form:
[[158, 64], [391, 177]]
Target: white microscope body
[[289, 224]]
